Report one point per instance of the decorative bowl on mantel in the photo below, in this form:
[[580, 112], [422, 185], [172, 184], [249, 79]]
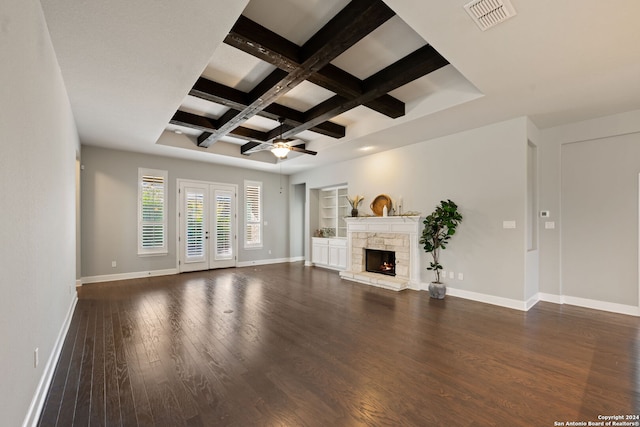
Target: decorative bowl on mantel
[[378, 204]]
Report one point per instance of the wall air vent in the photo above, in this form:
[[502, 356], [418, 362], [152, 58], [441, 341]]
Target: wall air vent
[[488, 13]]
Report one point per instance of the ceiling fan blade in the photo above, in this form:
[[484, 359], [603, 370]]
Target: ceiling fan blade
[[295, 139], [301, 149]]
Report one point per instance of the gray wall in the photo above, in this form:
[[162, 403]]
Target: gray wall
[[109, 209], [590, 185], [600, 219], [37, 207], [482, 170], [297, 217]]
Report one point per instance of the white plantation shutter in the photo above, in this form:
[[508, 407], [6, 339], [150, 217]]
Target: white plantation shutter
[[224, 234], [152, 211], [253, 214], [195, 233]]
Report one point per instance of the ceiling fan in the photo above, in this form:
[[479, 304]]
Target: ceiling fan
[[280, 146]]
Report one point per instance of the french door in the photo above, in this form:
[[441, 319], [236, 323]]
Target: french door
[[206, 225]]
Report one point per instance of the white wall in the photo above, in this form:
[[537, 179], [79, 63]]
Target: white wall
[[37, 207], [109, 210], [483, 171]]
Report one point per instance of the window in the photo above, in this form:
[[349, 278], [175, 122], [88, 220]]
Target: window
[[224, 225], [152, 211], [253, 214]]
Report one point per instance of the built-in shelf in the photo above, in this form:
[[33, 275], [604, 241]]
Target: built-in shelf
[[334, 207]]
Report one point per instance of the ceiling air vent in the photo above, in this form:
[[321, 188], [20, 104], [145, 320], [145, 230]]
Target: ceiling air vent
[[487, 13]]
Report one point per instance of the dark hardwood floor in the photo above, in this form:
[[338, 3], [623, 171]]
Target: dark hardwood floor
[[288, 345]]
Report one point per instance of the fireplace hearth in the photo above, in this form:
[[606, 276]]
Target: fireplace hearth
[[380, 261]]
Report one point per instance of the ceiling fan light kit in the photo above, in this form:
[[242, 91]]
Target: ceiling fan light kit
[[280, 150]]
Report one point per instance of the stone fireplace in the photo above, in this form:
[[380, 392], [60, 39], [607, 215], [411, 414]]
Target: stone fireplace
[[380, 261], [397, 234]]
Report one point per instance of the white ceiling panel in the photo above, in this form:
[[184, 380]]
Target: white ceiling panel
[[390, 42]]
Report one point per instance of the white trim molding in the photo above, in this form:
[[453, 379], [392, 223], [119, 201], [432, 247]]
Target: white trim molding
[[552, 298], [488, 299], [592, 304], [132, 275], [40, 396], [268, 261]]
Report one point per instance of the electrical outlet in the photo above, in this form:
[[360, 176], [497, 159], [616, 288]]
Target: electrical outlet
[[113, 264], [460, 276], [36, 359]]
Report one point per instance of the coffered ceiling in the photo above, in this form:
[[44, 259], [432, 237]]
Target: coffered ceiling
[[208, 79]]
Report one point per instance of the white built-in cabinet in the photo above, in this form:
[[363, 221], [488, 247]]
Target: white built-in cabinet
[[331, 250], [329, 253], [334, 207]]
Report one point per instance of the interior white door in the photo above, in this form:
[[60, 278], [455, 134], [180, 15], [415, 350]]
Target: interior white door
[[207, 226]]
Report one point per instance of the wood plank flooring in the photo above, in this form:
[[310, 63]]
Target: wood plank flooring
[[288, 345]]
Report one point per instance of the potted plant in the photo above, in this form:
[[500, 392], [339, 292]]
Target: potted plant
[[439, 226]]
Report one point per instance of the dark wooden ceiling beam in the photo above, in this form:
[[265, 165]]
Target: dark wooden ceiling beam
[[194, 121], [254, 39], [220, 94], [206, 124], [251, 147], [350, 25], [238, 100], [280, 130], [413, 66], [358, 19]]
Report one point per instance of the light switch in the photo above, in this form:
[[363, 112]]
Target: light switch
[[508, 224], [549, 225]]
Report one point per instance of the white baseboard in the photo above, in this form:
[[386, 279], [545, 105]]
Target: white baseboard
[[556, 299], [37, 403], [78, 282], [592, 304], [488, 299], [171, 271], [264, 262], [125, 276], [531, 302]]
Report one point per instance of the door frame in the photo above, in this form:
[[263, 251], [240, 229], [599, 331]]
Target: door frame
[[185, 181]]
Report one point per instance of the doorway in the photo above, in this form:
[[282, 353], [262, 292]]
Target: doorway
[[207, 225]]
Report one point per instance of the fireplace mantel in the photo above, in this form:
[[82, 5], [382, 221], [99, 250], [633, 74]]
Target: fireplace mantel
[[397, 233]]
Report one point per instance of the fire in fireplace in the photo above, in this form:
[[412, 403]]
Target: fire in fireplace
[[378, 261]]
